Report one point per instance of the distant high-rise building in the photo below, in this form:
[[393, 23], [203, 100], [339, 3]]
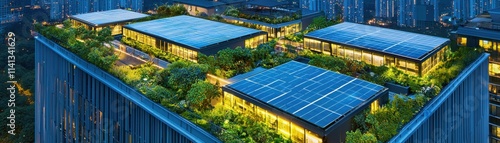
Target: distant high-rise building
[[386, 8], [405, 13], [465, 9], [354, 11], [10, 11], [331, 8]]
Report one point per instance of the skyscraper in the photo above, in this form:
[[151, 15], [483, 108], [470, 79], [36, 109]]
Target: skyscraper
[[79, 102], [405, 11], [385, 8], [331, 8], [465, 9], [10, 11], [354, 11]]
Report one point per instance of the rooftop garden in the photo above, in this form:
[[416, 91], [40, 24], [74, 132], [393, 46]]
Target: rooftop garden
[[184, 89], [275, 19], [318, 23], [382, 124]]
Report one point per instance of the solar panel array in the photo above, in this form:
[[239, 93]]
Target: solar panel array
[[313, 94], [110, 16], [192, 31], [401, 43]]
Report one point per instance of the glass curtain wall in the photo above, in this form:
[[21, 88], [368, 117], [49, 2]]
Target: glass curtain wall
[[177, 50], [290, 130], [272, 32], [374, 58], [77, 23], [255, 41]]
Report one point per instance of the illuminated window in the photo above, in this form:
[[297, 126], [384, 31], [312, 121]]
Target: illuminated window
[[378, 60], [367, 57], [313, 45], [495, 131], [297, 133], [284, 127], [487, 45], [312, 138], [462, 41], [326, 48], [374, 106], [494, 69]]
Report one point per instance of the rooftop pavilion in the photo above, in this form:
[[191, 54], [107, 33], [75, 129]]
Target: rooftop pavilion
[[411, 52], [208, 7], [115, 19], [304, 99], [186, 35]]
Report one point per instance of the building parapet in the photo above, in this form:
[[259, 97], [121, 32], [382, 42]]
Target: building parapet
[[175, 121]]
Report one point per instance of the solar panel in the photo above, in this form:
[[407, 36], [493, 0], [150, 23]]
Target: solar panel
[[400, 43], [108, 17], [191, 31], [313, 94]]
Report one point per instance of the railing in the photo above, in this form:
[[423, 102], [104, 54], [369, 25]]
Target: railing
[[175, 121], [139, 53]]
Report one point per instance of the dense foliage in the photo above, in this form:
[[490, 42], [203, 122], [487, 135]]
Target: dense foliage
[[318, 23], [235, 12], [87, 44], [165, 11], [151, 51], [230, 62], [385, 122]]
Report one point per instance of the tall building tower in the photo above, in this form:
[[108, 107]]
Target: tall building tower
[[331, 8], [354, 11], [78, 102], [10, 11], [405, 13], [465, 9], [310, 5], [385, 8]]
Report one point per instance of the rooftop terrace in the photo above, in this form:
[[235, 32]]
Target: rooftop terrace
[[315, 95], [394, 42], [191, 31], [107, 17]]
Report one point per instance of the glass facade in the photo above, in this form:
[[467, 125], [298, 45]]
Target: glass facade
[[116, 29], [272, 32], [255, 41], [288, 129], [374, 58], [177, 50]]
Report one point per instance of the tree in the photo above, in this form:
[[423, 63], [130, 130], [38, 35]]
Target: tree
[[67, 24], [328, 62], [358, 137], [182, 78], [104, 35], [319, 23], [201, 94], [100, 59], [232, 11]]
